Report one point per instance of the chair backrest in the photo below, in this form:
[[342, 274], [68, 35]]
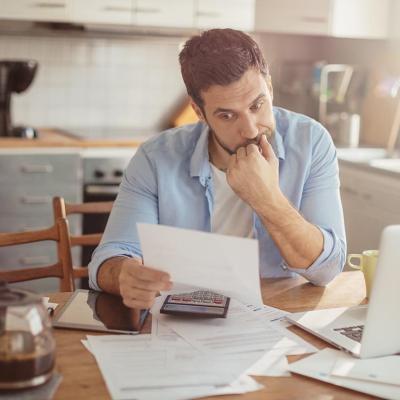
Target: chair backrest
[[61, 209], [62, 269]]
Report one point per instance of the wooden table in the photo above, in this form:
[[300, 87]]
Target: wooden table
[[82, 378]]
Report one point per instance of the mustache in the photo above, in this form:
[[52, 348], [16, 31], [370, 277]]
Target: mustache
[[268, 133]]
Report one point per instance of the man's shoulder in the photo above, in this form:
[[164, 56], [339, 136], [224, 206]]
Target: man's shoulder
[[297, 127], [175, 140]]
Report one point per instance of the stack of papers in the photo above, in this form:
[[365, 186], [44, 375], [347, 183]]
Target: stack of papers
[[376, 376], [185, 358]]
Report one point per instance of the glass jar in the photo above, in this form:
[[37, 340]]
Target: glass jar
[[27, 346]]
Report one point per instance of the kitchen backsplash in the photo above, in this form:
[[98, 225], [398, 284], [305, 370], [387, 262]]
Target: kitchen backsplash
[[95, 82]]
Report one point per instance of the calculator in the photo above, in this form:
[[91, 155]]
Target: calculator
[[201, 303]]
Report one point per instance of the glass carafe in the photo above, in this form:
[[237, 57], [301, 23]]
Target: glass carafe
[[27, 347]]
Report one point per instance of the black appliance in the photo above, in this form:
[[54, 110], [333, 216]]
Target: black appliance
[[102, 174], [15, 77]]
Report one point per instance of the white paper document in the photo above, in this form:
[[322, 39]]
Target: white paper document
[[380, 369], [242, 331], [320, 365], [225, 264], [130, 364]]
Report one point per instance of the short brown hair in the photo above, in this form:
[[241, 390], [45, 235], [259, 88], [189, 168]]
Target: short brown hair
[[218, 57]]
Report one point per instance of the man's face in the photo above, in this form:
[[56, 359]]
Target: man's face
[[239, 113]]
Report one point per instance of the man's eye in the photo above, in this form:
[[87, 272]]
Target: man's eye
[[226, 116], [257, 106]]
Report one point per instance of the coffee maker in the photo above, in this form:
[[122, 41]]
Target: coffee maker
[[15, 77]]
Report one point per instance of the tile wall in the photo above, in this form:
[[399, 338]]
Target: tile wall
[[97, 82]]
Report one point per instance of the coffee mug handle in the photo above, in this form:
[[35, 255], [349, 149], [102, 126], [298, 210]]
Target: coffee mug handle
[[355, 256]]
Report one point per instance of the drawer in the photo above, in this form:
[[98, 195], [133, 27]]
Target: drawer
[[39, 169], [35, 200], [22, 224], [32, 254]]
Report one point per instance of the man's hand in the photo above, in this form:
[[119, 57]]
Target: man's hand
[[139, 285], [253, 176]]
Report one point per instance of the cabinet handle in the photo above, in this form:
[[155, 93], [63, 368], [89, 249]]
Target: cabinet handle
[[36, 199], [35, 260], [46, 4], [102, 190], [148, 10], [212, 14], [117, 9], [314, 20], [32, 169]]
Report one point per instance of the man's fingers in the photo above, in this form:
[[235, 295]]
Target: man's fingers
[[266, 148], [252, 148], [152, 285], [241, 152], [150, 274]]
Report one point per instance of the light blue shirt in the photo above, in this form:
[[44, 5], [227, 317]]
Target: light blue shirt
[[169, 182]]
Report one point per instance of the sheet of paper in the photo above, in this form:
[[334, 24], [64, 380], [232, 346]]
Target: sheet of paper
[[242, 331], [320, 365], [242, 385], [225, 264], [272, 363], [130, 363], [380, 369]]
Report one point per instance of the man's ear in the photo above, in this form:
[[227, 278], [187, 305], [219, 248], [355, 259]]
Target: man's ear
[[197, 110]]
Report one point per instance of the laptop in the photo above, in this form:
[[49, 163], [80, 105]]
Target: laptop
[[371, 330]]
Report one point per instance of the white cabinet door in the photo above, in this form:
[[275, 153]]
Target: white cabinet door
[[237, 14], [371, 201], [162, 13], [394, 25], [36, 10], [360, 18], [339, 18], [103, 11], [288, 16]]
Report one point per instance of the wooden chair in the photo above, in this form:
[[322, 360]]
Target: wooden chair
[[61, 209], [59, 233]]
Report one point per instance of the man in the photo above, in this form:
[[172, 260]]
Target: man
[[246, 169]]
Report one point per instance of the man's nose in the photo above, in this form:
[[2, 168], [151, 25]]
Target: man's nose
[[248, 128]]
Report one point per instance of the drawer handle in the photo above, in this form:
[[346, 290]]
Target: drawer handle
[[117, 9], [35, 260], [36, 199], [33, 169], [314, 20], [148, 10], [212, 14], [46, 4]]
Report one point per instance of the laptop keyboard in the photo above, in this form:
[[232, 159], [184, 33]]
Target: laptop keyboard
[[352, 332]]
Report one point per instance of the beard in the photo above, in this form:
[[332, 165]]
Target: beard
[[268, 133]]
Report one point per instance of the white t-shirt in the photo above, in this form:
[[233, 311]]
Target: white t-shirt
[[231, 215]]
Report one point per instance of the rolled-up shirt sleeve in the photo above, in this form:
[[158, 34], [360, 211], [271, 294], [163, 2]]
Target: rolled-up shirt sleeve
[[137, 201], [321, 205]]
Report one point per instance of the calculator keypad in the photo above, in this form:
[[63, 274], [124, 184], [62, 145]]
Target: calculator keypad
[[200, 297]]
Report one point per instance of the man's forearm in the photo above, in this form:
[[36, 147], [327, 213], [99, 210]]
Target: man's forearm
[[108, 274], [299, 242]]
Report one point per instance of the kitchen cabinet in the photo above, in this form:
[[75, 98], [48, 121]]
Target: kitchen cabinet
[[102, 11], [338, 18], [238, 14], [394, 20], [29, 180], [47, 10], [161, 13], [202, 14], [371, 201]]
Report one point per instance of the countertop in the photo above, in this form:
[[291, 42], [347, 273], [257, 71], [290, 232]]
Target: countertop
[[366, 159], [59, 138]]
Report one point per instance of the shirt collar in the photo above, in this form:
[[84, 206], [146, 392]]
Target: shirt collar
[[199, 162]]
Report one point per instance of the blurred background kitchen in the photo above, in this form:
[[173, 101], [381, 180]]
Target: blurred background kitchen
[[104, 76]]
